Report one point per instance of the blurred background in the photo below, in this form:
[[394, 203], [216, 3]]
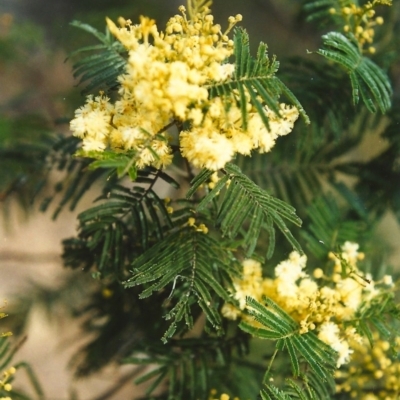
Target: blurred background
[[38, 96]]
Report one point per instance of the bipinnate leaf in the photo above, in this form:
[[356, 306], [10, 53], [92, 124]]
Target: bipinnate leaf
[[277, 325], [105, 62], [255, 77], [188, 262], [368, 81], [245, 207]]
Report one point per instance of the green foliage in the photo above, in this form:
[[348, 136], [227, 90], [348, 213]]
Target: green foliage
[[337, 126], [312, 159], [308, 387], [273, 393], [70, 189], [382, 315], [188, 365], [110, 160], [198, 262], [301, 175], [255, 77], [24, 144], [126, 223], [292, 391], [377, 193], [321, 11], [105, 62], [329, 226], [366, 78], [318, 11], [280, 327], [243, 200], [7, 352]]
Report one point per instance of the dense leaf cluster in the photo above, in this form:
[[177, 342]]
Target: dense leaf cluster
[[162, 277]]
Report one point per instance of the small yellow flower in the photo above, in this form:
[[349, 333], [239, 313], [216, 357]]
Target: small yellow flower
[[203, 228], [318, 273], [7, 387], [191, 221], [107, 293]]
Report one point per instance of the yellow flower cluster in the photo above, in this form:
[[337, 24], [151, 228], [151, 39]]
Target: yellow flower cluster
[[165, 82], [372, 374], [4, 382], [323, 304], [219, 135], [361, 21], [200, 228], [223, 396]]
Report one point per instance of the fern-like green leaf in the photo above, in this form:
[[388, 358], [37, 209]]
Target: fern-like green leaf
[[305, 347], [323, 389], [244, 201], [188, 262], [188, 364], [7, 353], [71, 188], [273, 393], [367, 79], [301, 390], [25, 142], [381, 314], [256, 77], [319, 11], [99, 70], [329, 227], [114, 231], [84, 173]]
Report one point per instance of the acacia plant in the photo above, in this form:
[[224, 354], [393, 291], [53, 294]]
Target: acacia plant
[[227, 259]]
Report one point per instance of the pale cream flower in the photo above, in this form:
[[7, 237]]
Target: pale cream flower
[[318, 273], [329, 333], [292, 269], [350, 252], [206, 149], [240, 295], [351, 292], [343, 348], [90, 123], [252, 268], [388, 280], [93, 144], [308, 287]]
